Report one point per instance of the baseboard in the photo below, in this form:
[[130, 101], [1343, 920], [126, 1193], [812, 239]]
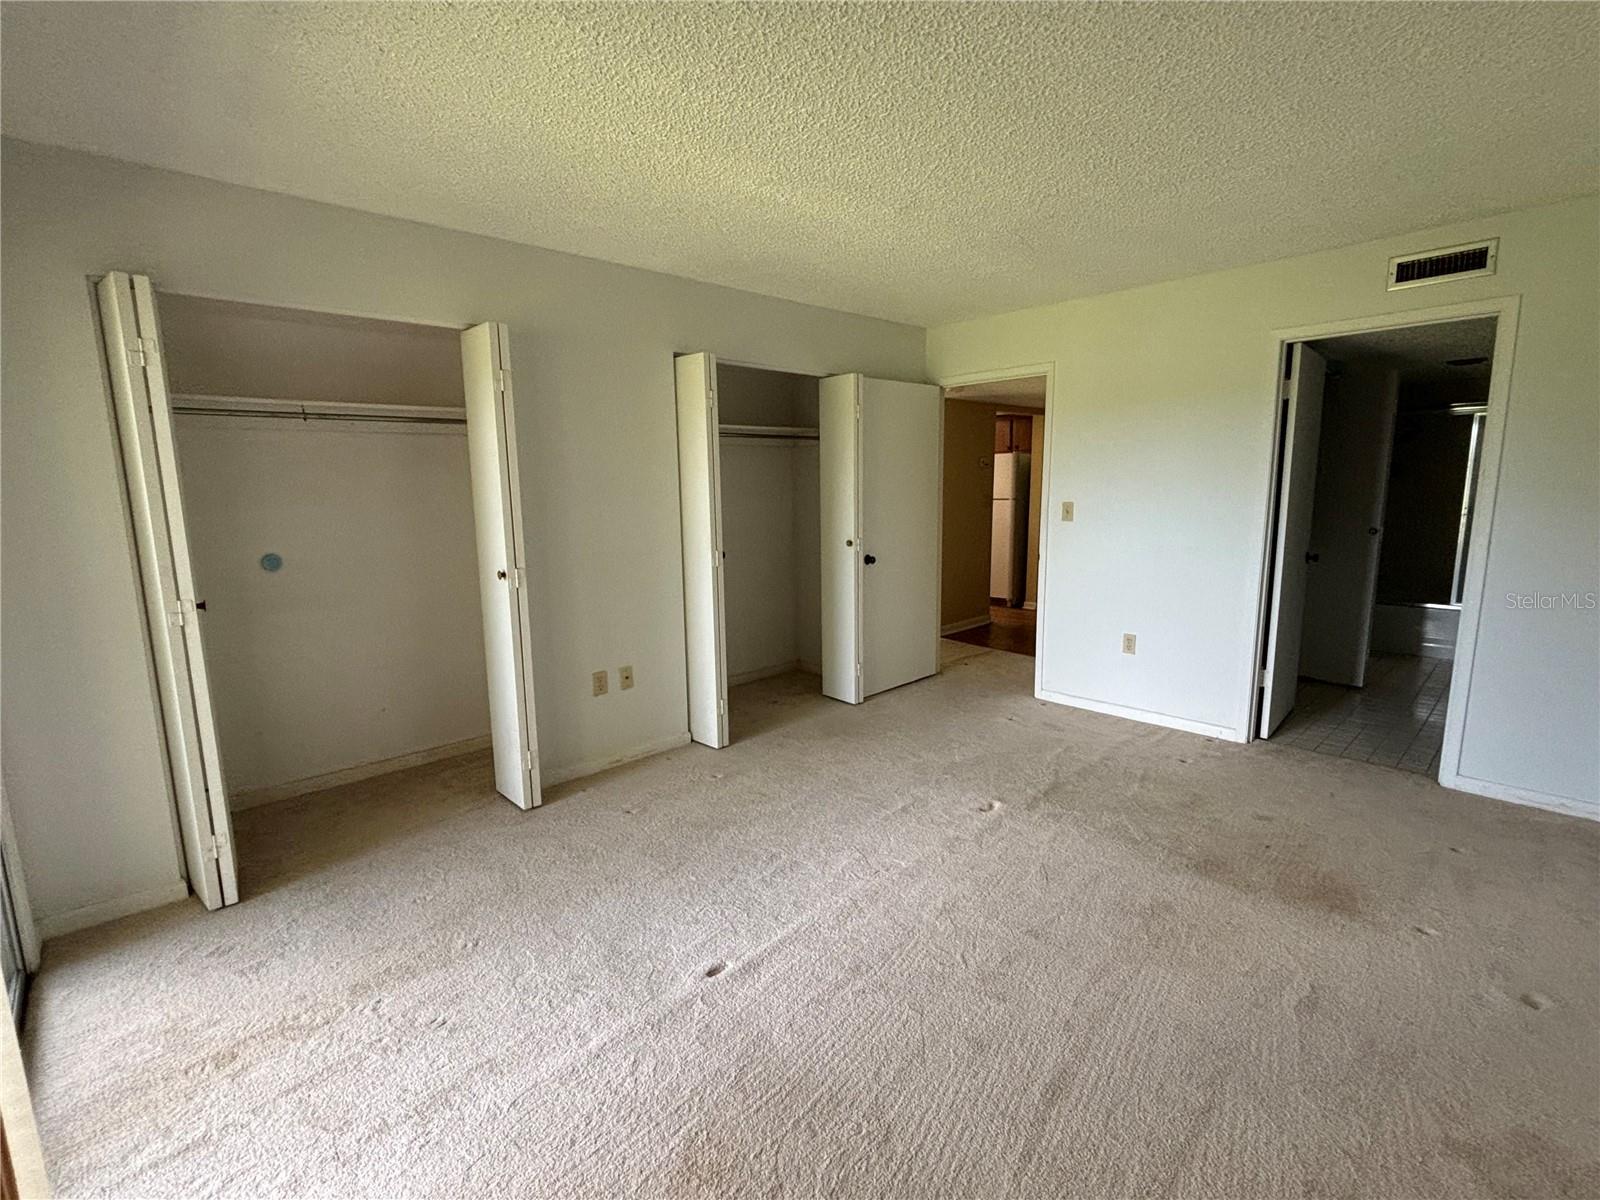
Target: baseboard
[[1166, 720], [1031, 605], [1548, 801], [383, 766], [963, 626], [56, 924], [551, 776], [782, 668]]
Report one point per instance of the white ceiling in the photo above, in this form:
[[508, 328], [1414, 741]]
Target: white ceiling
[[1421, 353], [1021, 393], [916, 161]]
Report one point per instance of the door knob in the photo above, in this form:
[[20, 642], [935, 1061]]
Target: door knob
[[870, 559], [499, 574]]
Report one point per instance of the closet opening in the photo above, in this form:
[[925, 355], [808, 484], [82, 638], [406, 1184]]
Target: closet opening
[[810, 523], [767, 443], [328, 524]]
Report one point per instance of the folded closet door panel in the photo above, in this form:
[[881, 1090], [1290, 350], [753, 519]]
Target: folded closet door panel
[[140, 396], [502, 561], [700, 509], [839, 474], [900, 454]]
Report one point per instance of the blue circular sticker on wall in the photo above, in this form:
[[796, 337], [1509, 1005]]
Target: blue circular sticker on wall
[[271, 562]]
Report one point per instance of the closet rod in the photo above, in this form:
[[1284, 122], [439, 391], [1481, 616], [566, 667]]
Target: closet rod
[[294, 410]]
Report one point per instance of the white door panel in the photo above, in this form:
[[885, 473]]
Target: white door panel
[[838, 449], [1347, 525], [700, 508], [880, 451], [1302, 428], [137, 370], [502, 562]]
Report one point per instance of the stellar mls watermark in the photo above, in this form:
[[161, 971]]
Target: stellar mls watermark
[[1550, 600]]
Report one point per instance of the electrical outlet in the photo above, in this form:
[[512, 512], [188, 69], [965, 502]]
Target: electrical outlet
[[1130, 643], [624, 678], [601, 683], [1066, 510]]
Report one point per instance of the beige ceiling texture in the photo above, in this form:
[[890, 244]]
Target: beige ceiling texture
[[921, 162]]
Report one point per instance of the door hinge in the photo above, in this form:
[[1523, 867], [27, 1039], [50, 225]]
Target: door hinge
[[213, 847], [514, 578], [527, 760], [1261, 677], [502, 381], [722, 706]]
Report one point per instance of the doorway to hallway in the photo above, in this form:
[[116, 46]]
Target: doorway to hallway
[[992, 504]]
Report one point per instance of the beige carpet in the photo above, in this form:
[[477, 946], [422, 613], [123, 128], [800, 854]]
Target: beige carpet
[[954, 942]]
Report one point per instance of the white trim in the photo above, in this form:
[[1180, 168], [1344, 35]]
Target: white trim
[[1549, 801], [1033, 605], [1222, 732], [593, 766], [109, 910], [963, 626], [21, 909], [17, 1120], [256, 797], [1506, 310], [1047, 502]]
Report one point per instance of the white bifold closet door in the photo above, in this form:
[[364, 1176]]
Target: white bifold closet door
[[135, 362], [1297, 492], [700, 499], [880, 460], [502, 563]]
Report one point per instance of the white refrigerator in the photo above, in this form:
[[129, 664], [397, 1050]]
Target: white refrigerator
[[1008, 540]]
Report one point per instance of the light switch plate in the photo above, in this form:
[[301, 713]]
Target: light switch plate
[[1130, 643], [601, 683], [624, 678], [1066, 510]]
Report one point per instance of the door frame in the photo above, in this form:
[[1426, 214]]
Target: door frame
[[1046, 489], [1505, 310]]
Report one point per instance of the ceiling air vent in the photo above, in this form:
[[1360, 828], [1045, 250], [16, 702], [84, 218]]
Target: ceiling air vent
[[1448, 262]]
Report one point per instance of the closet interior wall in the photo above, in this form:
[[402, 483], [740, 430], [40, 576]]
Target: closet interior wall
[[336, 556], [771, 524]]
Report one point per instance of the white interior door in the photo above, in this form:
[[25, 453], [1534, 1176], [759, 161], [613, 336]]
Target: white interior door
[[1347, 525], [137, 370], [700, 505], [502, 561], [880, 451], [1302, 431]]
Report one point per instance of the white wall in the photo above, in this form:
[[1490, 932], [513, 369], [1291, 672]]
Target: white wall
[[367, 644], [771, 526], [591, 346], [1161, 432], [218, 348]]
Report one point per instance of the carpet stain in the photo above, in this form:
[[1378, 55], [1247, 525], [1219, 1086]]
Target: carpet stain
[[1298, 885]]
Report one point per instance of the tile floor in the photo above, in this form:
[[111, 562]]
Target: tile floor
[[1396, 720]]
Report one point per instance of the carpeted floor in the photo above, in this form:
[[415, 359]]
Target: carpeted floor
[[954, 942]]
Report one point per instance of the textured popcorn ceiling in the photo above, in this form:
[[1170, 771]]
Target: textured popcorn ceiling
[[921, 162]]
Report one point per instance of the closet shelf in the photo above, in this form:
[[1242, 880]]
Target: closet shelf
[[792, 433]]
